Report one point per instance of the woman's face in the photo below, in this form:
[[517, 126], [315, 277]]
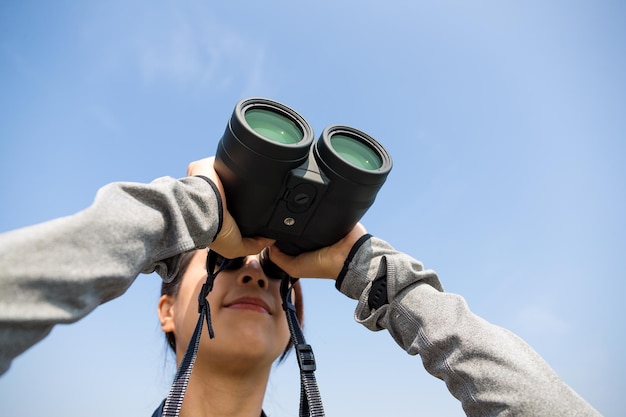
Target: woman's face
[[246, 312]]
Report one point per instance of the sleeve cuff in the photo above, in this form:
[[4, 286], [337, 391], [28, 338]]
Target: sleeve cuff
[[220, 206]]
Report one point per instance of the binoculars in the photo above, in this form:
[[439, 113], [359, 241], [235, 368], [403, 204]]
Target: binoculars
[[281, 185]]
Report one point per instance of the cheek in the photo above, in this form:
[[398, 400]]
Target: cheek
[[283, 328], [282, 325], [186, 315]]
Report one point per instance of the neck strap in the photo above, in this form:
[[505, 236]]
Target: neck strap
[[174, 401], [310, 399]]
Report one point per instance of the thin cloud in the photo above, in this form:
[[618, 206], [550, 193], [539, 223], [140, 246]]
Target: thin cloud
[[199, 52]]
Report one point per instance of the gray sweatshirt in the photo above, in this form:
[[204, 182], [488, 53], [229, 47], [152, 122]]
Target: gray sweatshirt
[[59, 271]]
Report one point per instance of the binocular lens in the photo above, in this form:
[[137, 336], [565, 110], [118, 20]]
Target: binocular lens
[[273, 126], [356, 152], [282, 184]]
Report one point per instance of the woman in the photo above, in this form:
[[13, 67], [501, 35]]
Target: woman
[[231, 371], [134, 228]]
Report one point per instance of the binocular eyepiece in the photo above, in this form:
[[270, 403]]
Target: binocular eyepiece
[[281, 185]]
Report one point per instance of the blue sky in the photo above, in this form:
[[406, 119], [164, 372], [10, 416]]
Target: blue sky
[[505, 121]]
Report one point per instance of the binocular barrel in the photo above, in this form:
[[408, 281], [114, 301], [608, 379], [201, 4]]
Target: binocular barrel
[[281, 184]]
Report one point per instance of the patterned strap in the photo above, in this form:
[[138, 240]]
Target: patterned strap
[[310, 398], [174, 401]]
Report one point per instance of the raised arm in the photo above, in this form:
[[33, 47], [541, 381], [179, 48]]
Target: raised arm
[[489, 369], [59, 271]]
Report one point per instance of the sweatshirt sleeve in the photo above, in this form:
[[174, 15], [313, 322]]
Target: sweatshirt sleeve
[[59, 271], [487, 368]]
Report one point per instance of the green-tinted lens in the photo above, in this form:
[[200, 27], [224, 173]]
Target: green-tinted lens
[[273, 126], [356, 152]]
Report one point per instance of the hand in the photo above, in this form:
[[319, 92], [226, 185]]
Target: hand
[[229, 242], [322, 263]]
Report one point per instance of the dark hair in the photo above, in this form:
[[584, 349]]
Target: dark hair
[[171, 289]]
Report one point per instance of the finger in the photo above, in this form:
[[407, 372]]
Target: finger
[[201, 167], [306, 265]]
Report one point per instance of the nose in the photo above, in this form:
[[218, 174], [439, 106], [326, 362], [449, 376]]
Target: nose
[[252, 273]]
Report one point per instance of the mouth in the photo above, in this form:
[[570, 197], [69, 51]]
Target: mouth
[[250, 304]]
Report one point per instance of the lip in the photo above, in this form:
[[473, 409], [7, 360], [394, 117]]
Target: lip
[[250, 303]]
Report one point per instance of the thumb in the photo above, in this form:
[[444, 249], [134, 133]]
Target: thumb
[[308, 264]]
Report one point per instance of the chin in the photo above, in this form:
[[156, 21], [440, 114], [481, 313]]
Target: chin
[[244, 347]]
